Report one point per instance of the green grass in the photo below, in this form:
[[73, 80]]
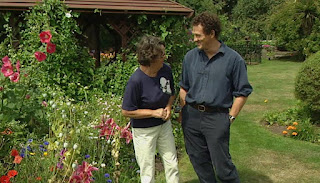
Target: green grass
[[260, 155]]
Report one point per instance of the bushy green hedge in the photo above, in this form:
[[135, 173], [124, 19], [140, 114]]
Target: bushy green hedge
[[307, 86]]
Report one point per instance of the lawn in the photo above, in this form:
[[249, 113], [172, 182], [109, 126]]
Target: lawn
[[260, 155]]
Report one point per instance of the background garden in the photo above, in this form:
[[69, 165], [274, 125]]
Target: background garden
[[60, 116]]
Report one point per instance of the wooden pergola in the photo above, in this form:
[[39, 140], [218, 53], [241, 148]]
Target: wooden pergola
[[115, 9]]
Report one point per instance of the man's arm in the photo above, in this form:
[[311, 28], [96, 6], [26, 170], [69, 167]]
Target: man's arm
[[237, 105], [182, 94]]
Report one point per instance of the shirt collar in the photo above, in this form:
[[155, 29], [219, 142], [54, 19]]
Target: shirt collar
[[222, 49]]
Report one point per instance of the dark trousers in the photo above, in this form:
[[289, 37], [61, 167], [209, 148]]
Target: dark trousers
[[206, 138]]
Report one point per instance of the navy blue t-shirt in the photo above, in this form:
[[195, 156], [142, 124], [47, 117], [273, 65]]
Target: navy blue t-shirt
[[145, 92]]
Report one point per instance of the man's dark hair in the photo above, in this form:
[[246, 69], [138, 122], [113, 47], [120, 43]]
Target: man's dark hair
[[149, 49], [209, 22]]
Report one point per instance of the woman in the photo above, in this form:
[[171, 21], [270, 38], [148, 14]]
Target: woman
[[147, 101]]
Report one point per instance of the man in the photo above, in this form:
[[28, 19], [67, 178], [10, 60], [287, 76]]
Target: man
[[212, 76]]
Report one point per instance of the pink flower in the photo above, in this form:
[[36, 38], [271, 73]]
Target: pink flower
[[18, 66], [45, 36], [15, 77], [126, 133], [83, 173], [40, 56], [51, 48], [7, 69], [27, 96], [5, 60], [44, 103]]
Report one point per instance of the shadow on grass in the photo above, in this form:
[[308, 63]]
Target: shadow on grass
[[250, 176], [246, 176]]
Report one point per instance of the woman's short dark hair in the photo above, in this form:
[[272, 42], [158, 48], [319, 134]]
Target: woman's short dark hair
[[209, 22], [149, 49]]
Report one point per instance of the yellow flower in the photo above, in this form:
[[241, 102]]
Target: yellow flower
[[32, 154], [294, 133], [284, 132], [266, 101], [295, 123], [45, 153]]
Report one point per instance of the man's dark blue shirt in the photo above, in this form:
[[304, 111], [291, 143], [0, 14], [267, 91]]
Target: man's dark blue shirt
[[214, 82]]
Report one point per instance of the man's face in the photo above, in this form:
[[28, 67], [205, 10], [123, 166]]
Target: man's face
[[200, 38]]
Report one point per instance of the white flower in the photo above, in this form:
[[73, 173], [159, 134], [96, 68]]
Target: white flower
[[63, 111], [60, 135], [64, 115], [57, 143], [94, 163], [108, 141], [75, 146], [54, 105], [85, 112], [103, 165], [68, 103], [50, 102], [53, 94], [74, 165], [44, 95], [78, 131], [68, 15], [65, 145]]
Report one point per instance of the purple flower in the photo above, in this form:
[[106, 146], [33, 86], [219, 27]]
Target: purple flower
[[109, 180], [87, 156], [30, 140], [46, 143], [106, 175]]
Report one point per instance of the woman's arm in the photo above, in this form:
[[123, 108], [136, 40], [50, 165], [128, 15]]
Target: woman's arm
[[145, 113]]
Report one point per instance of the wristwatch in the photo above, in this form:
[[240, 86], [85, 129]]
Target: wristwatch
[[231, 118]]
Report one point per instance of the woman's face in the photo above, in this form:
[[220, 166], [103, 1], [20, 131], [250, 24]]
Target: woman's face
[[161, 58]]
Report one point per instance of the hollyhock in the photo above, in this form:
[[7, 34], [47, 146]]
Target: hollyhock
[[7, 69], [12, 173], [15, 77], [5, 60], [51, 48], [1, 88], [40, 56], [44, 103], [83, 173], [45, 36], [18, 66]]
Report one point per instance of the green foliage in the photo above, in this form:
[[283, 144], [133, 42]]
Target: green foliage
[[71, 66], [250, 15], [295, 24], [307, 85]]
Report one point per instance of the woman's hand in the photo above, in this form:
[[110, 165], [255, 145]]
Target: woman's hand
[[160, 113], [168, 113]]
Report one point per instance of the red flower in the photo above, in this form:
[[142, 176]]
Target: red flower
[[14, 152], [4, 179], [45, 36], [7, 132], [38, 178], [51, 48], [40, 56], [7, 69], [12, 173], [17, 159], [1, 88], [15, 77]]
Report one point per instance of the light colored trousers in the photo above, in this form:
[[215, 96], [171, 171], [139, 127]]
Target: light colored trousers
[[146, 141]]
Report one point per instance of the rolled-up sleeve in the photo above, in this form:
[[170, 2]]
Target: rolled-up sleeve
[[241, 84]]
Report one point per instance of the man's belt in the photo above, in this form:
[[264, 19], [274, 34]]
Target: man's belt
[[203, 108]]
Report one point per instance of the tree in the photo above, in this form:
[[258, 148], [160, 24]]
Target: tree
[[295, 25]]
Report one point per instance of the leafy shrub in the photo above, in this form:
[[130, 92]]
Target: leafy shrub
[[307, 85]]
